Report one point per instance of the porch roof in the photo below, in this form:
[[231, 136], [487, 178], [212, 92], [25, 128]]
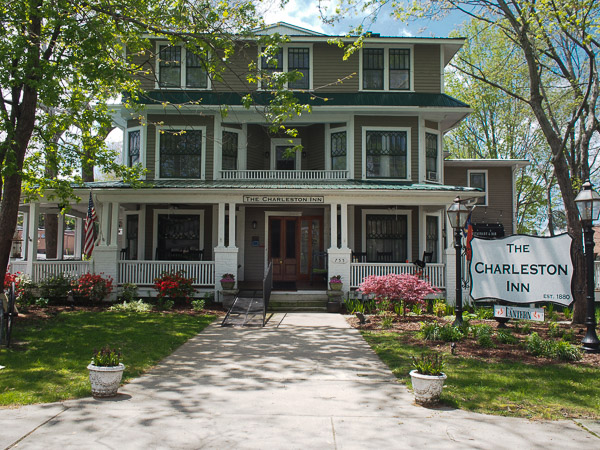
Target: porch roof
[[375, 185], [323, 99]]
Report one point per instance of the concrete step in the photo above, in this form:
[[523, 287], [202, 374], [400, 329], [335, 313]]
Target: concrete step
[[288, 308], [298, 304], [298, 296]]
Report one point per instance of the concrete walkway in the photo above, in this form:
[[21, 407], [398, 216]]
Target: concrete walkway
[[305, 381]]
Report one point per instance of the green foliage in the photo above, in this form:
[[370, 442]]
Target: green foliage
[[387, 321], [568, 313], [132, 306], [354, 305], [106, 357], [504, 337], [483, 334], [129, 292], [433, 331], [552, 349], [198, 304], [440, 308], [522, 326], [432, 364], [484, 313], [164, 304], [554, 330], [42, 302], [56, 287]]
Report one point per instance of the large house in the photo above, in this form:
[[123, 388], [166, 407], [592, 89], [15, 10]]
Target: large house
[[366, 194]]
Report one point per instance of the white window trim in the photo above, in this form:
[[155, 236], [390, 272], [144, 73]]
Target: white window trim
[[487, 182], [284, 141], [285, 48], [182, 65], [125, 156], [423, 236], [172, 212], [140, 249], [386, 212], [157, 150], [439, 155], [240, 135], [408, 152], [328, 132], [386, 67]]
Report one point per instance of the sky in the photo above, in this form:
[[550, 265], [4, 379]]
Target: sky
[[305, 13]]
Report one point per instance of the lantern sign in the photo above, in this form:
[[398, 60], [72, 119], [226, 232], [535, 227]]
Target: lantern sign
[[522, 269]]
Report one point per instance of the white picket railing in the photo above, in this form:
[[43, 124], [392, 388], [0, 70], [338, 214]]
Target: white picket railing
[[47, 269], [17, 266], [434, 273], [284, 174], [143, 273]]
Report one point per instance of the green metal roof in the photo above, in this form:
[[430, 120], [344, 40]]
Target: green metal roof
[[324, 185], [323, 99]]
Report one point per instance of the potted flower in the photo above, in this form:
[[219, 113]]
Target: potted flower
[[427, 378], [335, 283], [228, 281], [106, 371]]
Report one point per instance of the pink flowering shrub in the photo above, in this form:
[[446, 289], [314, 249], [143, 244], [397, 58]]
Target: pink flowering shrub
[[392, 290]]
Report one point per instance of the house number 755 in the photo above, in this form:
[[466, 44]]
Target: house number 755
[[339, 260]]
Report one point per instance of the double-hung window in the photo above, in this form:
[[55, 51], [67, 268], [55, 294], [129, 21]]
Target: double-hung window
[[386, 154], [432, 237], [180, 153], [299, 60], [338, 150], [386, 237], [270, 65], [133, 147], [230, 150], [287, 59], [431, 157], [478, 179], [180, 67], [386, 69]]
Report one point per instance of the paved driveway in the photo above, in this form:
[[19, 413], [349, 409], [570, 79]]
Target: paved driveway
[[306, 381]]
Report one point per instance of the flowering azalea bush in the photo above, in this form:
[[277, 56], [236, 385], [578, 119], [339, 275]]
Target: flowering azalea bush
[[391, 290], [93, 286], [174, 286]]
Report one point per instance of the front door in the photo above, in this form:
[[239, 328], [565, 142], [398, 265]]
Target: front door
[[283, 247]]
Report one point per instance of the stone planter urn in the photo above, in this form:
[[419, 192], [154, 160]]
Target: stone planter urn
[[105, 381], [335, 286], [427, 388], [227, 285]]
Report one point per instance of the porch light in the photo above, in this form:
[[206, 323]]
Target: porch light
[[588, 205], [254, 224], [458, 213]]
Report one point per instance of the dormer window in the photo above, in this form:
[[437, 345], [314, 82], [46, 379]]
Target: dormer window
[[386, 69], [173, 73]]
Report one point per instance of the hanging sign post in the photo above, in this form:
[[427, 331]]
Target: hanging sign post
[[522, 269]]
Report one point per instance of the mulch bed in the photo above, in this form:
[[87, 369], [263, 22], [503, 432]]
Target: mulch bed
[[408, 327]]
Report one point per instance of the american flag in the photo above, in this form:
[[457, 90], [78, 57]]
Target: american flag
[[90, 218]]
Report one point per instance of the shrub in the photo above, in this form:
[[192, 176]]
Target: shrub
[[198, 305], [566, 351], [439, 308], [134, 306], [554, 330], [93, 286], [432, 364], [504, 337], [174, 286], [106, 357], [56, 287], [482, 329], [129, 292], [42, 302], [484, 313], [552, 349], [568, 313], [435, 332], [406, 288], [165, 304], [387, 321]]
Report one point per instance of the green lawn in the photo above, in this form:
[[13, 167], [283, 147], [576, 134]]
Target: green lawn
[[552, 391], [48, 362]]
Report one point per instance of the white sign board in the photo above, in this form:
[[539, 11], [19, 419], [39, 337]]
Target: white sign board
[[512, 312], [522, 269], [287, 199]]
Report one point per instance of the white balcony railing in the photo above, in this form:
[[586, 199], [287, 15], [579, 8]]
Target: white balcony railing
[[434, 273], [284, 174], [48, 269], [143, 273]]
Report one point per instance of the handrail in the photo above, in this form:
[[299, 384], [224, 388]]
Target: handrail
[[284, 174], [267, 287]]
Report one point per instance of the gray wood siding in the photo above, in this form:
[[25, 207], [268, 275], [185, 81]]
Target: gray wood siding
[[175, 121], [330, 68], [233, 75], [144, 63], [313, 140], [257, 146], [500, 195], [427, 68], [386, 121], [254, 257]]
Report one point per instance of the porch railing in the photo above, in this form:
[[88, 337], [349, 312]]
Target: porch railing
[[143, 273], [17, 266], [284, 174], [47, 269], [434, 273]]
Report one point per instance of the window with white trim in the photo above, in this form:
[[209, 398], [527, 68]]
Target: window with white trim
[[432, 236], [386, 237], [173, 73], [386, 69], [288, 59], [478, 179], [431, 157], [180, 153], [134, 147], [386, 154], [229, 148], [338, 150]]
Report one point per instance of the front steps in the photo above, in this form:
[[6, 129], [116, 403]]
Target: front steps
[[305, 301]]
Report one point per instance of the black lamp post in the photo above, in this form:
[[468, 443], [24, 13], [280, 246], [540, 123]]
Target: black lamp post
[[458, 214], [588, 204]]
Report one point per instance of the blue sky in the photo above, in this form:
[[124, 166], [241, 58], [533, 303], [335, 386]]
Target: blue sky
[[305, 13]]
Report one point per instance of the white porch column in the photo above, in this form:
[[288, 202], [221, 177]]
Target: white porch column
[[221, 226], [78, 237], [25, 235], [334, 236], [232, 227], [60, 241], [114, 225], [226, 261], [32, 247], [339, 264], [344, 219], [104, 224]]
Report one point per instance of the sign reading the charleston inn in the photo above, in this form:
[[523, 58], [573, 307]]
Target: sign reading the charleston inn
[[522, 269], [287, 199]]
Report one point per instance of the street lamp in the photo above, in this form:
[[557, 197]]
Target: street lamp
[[458, 214], [588, 204]]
